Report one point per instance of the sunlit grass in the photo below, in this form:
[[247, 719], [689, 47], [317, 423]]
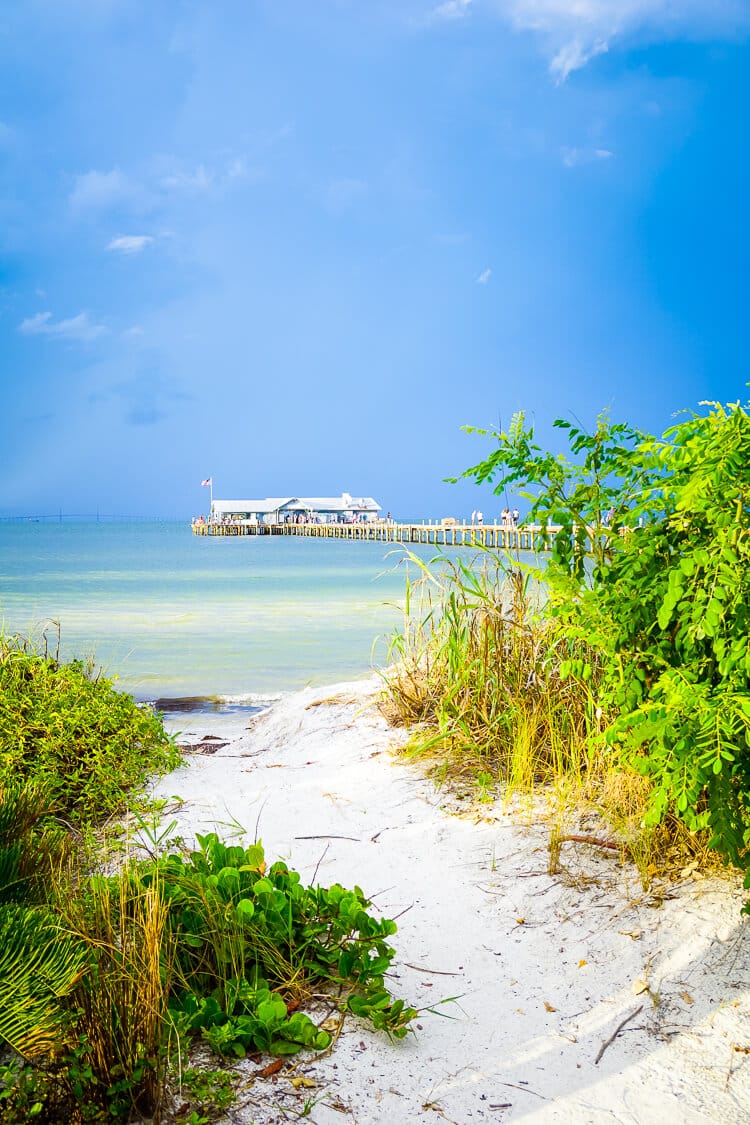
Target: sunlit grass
[[476, 676]]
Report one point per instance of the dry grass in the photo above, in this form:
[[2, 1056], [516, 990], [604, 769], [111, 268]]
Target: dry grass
[[122, 1002], [477, 681], [477, 678]]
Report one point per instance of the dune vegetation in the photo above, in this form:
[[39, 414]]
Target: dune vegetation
[[612, 671], [609, 674], [116, 956]]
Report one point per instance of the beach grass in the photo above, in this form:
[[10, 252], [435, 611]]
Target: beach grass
[[481, 677]]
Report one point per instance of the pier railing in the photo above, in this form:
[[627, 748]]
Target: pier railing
[[525, 538]]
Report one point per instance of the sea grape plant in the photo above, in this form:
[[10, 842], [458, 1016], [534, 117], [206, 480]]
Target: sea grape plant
[[650, 576], [251, 942]]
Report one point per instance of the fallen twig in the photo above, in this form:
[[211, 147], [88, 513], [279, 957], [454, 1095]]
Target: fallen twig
[[592, 840], [525, 1090], [436, 972], [616, 1032], [354, 838], [317, 865]]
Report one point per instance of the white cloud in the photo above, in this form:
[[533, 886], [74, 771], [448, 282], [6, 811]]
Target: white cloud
[[574, 55], [615, 16], [484, 276], [130, 243], [96, 191], [99, 191], [236, 168], [80, 327], [571, 157], [343, 193], [576, 31], [195, 181], [451, 10]]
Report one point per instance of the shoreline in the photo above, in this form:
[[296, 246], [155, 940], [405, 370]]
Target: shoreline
[[546, 967]]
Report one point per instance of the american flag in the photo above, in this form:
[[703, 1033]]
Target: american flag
[[207, 481]]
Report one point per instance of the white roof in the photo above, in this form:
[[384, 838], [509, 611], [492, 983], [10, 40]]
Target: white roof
[[271, 504], [343, 503]]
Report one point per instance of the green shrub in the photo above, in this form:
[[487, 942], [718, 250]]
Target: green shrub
[[660, 593], [40, 964], [251, 943], [66, 729], [101, 976], [103, 986]]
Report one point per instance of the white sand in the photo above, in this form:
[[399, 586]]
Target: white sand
[[546, 967]]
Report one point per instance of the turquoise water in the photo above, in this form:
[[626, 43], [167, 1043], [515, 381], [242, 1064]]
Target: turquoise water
[[172, 614]]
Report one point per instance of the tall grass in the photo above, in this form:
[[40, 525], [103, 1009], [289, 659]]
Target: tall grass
[[477, 676], [121, 1018], [478, 671]]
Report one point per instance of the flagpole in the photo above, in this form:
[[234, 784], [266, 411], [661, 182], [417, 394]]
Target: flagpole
[[210, 482]]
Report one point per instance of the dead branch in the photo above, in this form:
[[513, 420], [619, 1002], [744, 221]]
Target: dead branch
[[598, 843], [615, 1033]]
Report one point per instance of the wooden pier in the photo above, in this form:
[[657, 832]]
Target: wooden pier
[[387, 531]]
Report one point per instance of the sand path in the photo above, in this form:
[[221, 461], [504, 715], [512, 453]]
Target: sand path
[[546, 968]]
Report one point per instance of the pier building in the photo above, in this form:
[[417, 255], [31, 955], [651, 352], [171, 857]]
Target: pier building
[[278, 510]]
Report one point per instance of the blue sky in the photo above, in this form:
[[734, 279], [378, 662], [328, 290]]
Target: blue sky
[[297, 244]]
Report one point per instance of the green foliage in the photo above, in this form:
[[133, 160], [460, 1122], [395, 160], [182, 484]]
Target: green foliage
[[65, 728], [479, 674], [101, 974], [260, 1022], [665, 603], [208, 1090], [65, 1089], [211, 944], [584, 499], [250, 942], [39, 967], [21, 849], [33, 1093], [116, 1060], [39, 964]]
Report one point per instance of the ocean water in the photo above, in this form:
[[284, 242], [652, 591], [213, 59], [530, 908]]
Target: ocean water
[[173, 615]]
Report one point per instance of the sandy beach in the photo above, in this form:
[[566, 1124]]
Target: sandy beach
[[545, 969]]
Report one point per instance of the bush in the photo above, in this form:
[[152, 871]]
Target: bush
[[106, 984], [103, 975], [650, 572], [66, 729]]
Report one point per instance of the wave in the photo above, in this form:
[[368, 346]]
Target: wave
[[247, 703]]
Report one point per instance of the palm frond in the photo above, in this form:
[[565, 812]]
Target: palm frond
[[39, 965]]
